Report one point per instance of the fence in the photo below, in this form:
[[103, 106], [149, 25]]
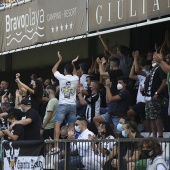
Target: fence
[[75, 154]]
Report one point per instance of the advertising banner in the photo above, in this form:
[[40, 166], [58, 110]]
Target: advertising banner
[[23, 155], [112, 13], [41, 21]]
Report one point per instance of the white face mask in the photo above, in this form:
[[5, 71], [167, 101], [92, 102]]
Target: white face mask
[[119, 86], [154, 64], [77, 129]]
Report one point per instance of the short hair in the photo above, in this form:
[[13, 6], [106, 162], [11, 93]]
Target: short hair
[[69, 68], [12, 116], [124, 79], [116, 61], [153, 144], [83, 120], [51, 87], [131, 125], [124, 50], [64, 128], [6, 104], [96, 84]]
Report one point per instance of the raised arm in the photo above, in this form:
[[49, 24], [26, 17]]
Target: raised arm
[[109, 96], [159, 59], [132, 72], [24, 86], [54, 69], [106, 46], [138, 70], [74, 68]]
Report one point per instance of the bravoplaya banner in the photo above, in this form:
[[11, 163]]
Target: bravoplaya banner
[[41, 21]]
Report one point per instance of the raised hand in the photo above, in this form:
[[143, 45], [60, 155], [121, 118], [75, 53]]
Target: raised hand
[[75, 59], [98, 60], [157, 57], [108, 83], [17, 75], [59, 55]]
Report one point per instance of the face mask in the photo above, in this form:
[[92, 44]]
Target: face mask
[[154, 64], [101, 133], [77, 129], [119, 86], [148, 153], [119, 127], [124, 134]]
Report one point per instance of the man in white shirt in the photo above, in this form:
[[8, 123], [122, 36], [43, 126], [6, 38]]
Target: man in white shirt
[[67, 96], [84, 149]]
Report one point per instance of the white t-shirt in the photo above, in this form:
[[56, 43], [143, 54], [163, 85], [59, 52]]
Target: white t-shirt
[[68, 86], [84, 148], [83, 78], [141, 79]]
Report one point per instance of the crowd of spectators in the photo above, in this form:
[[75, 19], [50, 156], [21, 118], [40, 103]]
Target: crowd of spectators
[[106, 100]]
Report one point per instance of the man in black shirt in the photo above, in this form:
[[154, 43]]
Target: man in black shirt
[[17, 132], [7, 109], [31, 121]]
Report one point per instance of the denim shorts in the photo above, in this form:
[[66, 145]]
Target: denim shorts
[[111, 119], [66, 112]]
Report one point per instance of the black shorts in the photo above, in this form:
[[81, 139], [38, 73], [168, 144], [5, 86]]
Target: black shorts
[[48, 133], [139, 109]]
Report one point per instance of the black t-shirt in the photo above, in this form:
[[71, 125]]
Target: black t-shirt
[[114, 74], [157, 80], [122, 106], [32, 130], [16, 112], [19, 131]]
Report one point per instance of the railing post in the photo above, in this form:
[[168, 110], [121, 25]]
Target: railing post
[[118, 154], [67, 155]]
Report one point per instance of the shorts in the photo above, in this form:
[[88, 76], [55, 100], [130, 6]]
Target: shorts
[[111, 119], [48, 133], [139, 109], [67, 112], [153, 110]]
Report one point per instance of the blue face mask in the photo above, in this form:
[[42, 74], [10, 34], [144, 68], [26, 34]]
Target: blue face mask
[[124, 134], [119, 127], [77, 129]]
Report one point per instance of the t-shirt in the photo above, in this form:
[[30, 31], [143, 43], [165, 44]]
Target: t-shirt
[[19, 131], [51, 107], [122, 106], [68, 86], [83, 78], [125, 64], [114, 74], [93, 107], [157, 80], [32, 130], [16, 112], [84, 148]]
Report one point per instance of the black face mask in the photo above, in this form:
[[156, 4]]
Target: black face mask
[[148, 153]]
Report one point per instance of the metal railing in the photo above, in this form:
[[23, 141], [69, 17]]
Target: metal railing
[[81, 154]]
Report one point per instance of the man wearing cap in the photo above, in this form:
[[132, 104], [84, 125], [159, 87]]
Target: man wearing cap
[[30, 120]]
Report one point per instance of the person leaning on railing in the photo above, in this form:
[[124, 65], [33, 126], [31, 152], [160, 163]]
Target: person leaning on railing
[[129, 152], [151, 149], [100, 149]]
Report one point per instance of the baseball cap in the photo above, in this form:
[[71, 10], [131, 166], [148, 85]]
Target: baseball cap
[[25, 101]]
